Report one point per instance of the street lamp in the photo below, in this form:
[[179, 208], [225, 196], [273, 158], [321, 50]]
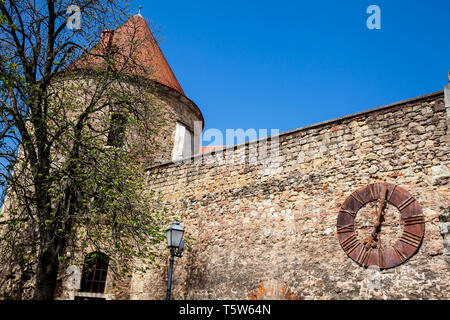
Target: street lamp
[[175, 243]]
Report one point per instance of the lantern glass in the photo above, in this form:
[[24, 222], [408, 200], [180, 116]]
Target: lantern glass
[[174, 235]]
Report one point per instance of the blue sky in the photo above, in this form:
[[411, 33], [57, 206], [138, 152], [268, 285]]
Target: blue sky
[[286, 64]]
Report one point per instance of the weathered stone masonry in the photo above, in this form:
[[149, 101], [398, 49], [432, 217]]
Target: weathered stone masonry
[[266, 228]]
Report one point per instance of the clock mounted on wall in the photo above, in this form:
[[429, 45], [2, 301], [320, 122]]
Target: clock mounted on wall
[[370, 250]]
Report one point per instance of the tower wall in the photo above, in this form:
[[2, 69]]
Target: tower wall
[[170, 107]]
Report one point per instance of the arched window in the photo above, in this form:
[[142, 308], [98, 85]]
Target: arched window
[[95, 268]]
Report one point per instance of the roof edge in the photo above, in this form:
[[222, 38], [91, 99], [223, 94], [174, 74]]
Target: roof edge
[[63, 75]]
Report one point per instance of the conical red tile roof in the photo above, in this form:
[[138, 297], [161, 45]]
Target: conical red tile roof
[[137, 52]]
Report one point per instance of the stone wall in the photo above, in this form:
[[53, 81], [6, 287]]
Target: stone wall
[[264, 225]]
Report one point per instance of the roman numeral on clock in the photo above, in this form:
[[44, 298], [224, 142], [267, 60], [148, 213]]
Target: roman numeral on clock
[[400, 254], [357, 197], [405, 203], [363, 255], [380, 258], [390, 193], [372, 190], [411, 238], [414, 220], [345, 229], [350, 212], [350, 244]]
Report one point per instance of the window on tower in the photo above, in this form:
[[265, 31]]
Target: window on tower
[[116, 132], [183, 142]]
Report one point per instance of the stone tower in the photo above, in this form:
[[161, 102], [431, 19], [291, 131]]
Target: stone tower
[[177, 135], [135, 40]]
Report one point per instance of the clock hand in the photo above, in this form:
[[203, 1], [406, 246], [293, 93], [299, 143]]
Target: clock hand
[[371, 241]]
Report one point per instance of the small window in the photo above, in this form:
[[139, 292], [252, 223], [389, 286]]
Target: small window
[[94, 274], [117, 130], [183, 142]]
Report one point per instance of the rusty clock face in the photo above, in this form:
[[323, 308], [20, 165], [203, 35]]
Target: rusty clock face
[[369, 249]]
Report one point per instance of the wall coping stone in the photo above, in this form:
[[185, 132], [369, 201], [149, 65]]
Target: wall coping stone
[[315, 125]]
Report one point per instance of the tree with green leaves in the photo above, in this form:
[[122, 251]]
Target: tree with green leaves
[[78, 125]]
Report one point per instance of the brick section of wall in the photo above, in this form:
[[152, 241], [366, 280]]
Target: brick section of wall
[[266, 228]]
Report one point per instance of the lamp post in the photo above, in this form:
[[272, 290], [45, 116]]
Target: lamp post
[[175, 243]]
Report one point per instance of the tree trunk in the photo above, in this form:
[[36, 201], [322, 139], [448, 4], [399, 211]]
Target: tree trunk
[[52, 245], [46, 273]]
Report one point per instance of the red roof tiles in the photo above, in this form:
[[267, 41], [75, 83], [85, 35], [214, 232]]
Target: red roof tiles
[[137, 53]]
